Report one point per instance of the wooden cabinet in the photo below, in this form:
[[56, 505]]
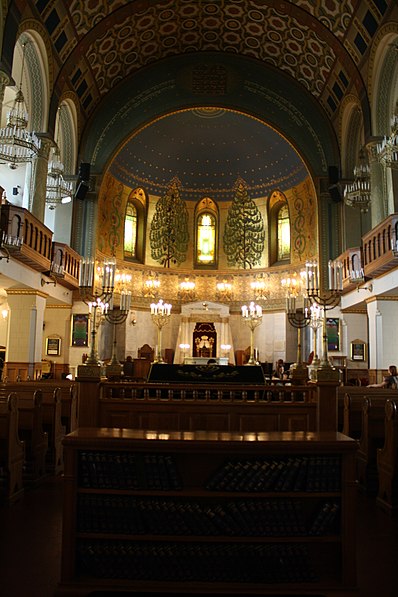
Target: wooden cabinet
[[208, 512]]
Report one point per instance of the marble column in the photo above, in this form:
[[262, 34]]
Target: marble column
[[383, 339]]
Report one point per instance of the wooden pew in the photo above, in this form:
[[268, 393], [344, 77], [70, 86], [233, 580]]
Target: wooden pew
[[387, 460], [12, 451], [351, 403], [52, 418], [32, 433], [52, 423], [372, 438]]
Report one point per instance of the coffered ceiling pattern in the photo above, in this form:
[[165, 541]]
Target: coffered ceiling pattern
[[113, 40]]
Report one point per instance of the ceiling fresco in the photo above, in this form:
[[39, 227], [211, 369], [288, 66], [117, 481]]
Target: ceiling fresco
[[208, 149]]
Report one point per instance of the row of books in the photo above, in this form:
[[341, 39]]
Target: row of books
[[302, 473], [201, 562], [124, 470], [252, 517]]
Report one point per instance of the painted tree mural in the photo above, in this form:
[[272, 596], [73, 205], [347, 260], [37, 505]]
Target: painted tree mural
[[169, 228], [244, 233]]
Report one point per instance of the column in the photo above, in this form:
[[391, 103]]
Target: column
[[39, 178], [383, 339], [25, 333], [4, 82], [57, 324], [379, 206]]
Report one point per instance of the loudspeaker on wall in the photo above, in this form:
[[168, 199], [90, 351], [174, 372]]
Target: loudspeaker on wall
[[84, 171], [81, 190]]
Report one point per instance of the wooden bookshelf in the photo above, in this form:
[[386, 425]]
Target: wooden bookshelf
[[208, 513]]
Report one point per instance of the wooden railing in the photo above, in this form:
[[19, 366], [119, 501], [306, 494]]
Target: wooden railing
[[65, 265], [177, 392], [25, 237], [220, 407], [379, 246]]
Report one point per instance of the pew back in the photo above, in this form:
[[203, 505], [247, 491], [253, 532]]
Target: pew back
[[211, 407], [12, 451], [387, 460], [372, 438], [31, 431]]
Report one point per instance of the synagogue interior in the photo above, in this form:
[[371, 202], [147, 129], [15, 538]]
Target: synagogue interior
[[199, 262]]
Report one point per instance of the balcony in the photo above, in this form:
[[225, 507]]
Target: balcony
[[28, 240], [380, 249]]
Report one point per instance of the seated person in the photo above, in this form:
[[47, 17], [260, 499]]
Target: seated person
[[389, 381], [279, 370], [128, 367]]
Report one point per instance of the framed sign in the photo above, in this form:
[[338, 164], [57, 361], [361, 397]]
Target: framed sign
[[333, 333], [53, 346], [358, 350], [79, 331]]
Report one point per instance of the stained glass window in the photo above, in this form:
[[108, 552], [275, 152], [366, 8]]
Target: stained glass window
[[283, 233], [206, 238], [130, 231]]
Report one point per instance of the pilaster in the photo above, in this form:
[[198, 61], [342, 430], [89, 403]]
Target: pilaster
[[25, 333]]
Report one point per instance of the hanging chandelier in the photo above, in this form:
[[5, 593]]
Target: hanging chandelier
[[17, 144], [388, 149], [357, 194], [58, 190]]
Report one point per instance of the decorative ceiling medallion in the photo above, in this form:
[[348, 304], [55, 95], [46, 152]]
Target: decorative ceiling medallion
[[208, 112]]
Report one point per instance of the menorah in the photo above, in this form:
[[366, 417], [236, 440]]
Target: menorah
[[116, 317], [96, 301], [252, 316], [299, 318], [160, 314], [326, 300]]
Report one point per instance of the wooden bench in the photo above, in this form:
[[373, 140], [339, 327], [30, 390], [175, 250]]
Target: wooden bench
[[387, 460], [372, 438], [12, 451], [52, 417], [350, 405], [32, 433], [52, 422]]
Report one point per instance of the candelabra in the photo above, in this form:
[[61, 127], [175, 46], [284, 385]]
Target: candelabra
[[299, 319], [252, 316], [96, 301], [116, 317], [326, 299], [160, 314], [316, 322], [183, 348]]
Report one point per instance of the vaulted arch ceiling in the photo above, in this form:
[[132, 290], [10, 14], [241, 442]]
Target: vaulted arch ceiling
[[288, 64]]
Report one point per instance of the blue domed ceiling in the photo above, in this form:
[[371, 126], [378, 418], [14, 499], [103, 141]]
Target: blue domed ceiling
[[208, 149]]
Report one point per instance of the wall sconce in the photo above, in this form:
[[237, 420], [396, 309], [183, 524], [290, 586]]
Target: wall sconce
[[224, 290], [187, 289], [259, 287], [150, 285], [4, 313]]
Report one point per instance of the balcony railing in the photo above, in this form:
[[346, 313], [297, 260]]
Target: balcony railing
[[28, 240], [379, 247]]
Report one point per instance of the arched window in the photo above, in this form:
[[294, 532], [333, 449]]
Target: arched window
[[206, 232], [279, 228], [130, 231], [134, 226], [283, 233]]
